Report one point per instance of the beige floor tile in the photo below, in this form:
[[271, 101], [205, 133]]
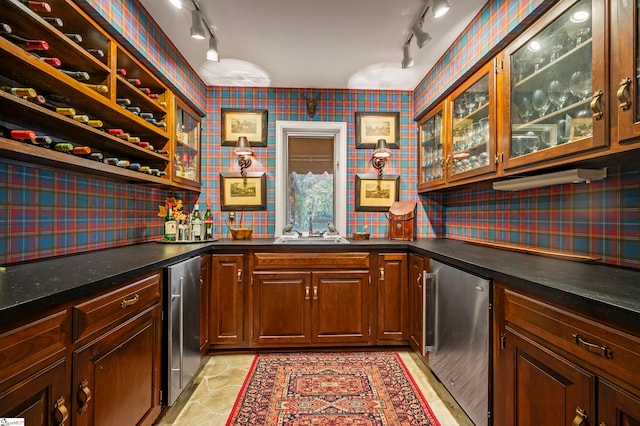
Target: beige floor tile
[[210, 397]]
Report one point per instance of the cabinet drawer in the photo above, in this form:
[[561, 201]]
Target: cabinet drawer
[[611, 351], [351, 260], [111, 308], [25, 348]]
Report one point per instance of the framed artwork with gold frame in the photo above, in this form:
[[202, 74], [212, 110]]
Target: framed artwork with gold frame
[[376, 194], [243, 193], [251, 123]]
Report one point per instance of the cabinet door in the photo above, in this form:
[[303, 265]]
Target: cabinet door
[[472, 127], [340, 307], [205, 283], [116, 378], [617, 407], [432, 149], [41, 399], [417, 270], [535, 386], [625, 77], [555, 87], [186, 151], [226, 324], [281, 308], [393, 297]]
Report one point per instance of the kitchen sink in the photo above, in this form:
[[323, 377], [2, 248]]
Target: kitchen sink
[[321, 239]]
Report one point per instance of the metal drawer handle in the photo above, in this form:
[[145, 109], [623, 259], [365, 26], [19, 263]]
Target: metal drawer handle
[[603, 351], [623, 94], [581, 417], [306, 293], [129, 302], [315, 292], [419, 280], [84, 396], [381, 274], [239, 276], [596, 105], [60, 412]]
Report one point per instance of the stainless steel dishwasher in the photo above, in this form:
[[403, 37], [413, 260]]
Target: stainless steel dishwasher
[[182, 325], [457, 336]]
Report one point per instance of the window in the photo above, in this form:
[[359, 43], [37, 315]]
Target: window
[[310, 176]]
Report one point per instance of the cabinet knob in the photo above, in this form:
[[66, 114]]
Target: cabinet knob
[[84, 396], [623, 94], [596, 105], [60, 411]]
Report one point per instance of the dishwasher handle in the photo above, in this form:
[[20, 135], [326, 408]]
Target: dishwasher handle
[[431, 314]]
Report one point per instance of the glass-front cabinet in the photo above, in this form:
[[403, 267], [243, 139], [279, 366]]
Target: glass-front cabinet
[[432, 151], [472, 127], [556, 86], [626, 75], [186, 154]]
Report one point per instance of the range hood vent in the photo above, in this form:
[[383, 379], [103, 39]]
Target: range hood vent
[[556, 178]]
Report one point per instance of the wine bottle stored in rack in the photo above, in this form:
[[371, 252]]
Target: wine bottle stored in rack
[[26, 44], [37, 6], [56, 22]]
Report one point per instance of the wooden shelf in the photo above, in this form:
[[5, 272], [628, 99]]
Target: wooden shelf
[[125, 89]]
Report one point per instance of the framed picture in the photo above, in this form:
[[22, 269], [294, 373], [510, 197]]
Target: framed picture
[[371, 126], [243, 193], [581, 128], [375, 194], [251, 123]]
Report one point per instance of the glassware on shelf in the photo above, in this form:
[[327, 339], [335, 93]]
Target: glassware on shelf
[[564, 130], [558, 93], [556, 44], [540, 102], [459, 108], [470, 101], [580, 85], [579, 32], [525, 108]]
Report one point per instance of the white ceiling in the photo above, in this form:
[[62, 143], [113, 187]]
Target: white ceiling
[[354, 44]]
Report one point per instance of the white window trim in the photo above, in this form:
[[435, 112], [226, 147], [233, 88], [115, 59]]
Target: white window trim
[[335, 129]]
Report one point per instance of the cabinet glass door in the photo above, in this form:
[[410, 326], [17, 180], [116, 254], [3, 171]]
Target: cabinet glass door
[[431, 150], [627, 76], [186, 158], [470, 130], [557, 103]]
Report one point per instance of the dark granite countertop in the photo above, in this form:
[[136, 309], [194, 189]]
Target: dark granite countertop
[[604, 292]]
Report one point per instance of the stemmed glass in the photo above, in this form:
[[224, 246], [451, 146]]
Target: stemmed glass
[[540, 102], [556, 44], [525, 109], [470, 100], [579, 32], [580, 85], [558, 94]]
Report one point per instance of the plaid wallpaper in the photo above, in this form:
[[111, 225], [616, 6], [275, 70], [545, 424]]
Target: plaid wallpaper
[[50, 213]]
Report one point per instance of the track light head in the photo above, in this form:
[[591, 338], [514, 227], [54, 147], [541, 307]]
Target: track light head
[[440, 7], [212, 53], [407, 60], [197, 30], [176, 3], [422, 37]]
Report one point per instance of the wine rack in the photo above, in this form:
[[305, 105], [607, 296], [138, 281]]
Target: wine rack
[[25, 69]]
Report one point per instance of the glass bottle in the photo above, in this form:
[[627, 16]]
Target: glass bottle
[[196, 224], [170, 225], [208, 224]]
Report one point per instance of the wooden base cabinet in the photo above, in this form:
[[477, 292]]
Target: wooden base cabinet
[[226, 300], [556, 367], [310, 299], [393, 298], [418, 266]]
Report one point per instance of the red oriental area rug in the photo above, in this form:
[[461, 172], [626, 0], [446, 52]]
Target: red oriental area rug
[[355, 389]]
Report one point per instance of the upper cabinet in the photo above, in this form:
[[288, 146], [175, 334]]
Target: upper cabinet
[[91, 106], [562, 93], [186, 152], [554, 87]]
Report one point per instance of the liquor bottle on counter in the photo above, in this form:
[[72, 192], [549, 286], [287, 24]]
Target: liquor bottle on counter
[[170, 225], [208, 224], [196, 223]]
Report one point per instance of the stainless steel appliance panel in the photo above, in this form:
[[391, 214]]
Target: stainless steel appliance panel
[[183, 323], [458, 337]]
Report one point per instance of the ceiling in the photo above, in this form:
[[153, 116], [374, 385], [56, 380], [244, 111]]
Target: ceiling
[[354, 44]]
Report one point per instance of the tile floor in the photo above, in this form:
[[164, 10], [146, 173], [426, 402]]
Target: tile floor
[[211, 395]]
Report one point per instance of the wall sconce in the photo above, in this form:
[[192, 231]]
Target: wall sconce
[[244, 152], [380, 156]]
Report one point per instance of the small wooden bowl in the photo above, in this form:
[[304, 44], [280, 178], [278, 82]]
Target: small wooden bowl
[[241, 233], [360, 235]]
